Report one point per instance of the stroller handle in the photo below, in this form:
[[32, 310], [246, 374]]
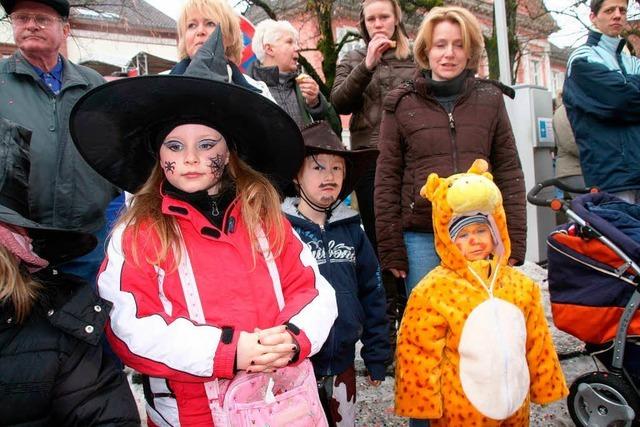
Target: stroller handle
[[555, 203]]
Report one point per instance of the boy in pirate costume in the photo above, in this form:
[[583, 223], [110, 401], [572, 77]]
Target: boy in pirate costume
[[346, 259]]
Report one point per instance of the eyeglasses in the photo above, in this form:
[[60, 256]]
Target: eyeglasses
[[42, 21]]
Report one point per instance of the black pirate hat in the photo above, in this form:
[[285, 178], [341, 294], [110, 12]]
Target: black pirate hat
[[320, 138]]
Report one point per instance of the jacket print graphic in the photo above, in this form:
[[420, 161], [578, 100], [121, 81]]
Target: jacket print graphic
[[347, 260]]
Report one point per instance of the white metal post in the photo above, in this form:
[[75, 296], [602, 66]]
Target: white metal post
[[503, 41]]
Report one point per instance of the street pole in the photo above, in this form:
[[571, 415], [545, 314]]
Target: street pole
[[503, 41]]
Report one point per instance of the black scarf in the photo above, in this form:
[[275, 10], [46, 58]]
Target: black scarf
[[213, 207]]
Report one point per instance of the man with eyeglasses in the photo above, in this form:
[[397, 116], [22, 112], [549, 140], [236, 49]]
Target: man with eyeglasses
[[602, 98], [38, 88]]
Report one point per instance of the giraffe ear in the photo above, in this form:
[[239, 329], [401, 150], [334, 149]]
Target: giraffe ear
[[429, 188], [488, 175], [479, 166]]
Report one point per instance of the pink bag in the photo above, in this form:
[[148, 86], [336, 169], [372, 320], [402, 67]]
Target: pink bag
[[287, 397]]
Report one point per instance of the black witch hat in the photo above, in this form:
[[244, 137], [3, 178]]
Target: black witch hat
[[117, 126]]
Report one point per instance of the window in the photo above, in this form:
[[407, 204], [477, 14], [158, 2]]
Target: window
[[557, 81], [536, 72]]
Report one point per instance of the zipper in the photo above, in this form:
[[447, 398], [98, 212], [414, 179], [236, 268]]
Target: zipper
[[214, 208], [332, 335], [454, 148], [452, 124]]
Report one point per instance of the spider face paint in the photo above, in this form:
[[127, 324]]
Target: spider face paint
[[217, 164], [169, 167], [193, 158]]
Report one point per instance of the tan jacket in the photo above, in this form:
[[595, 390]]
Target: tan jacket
[[568, 156]]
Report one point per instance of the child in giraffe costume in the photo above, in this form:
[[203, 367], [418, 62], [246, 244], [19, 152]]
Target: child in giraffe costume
[[474, 347]]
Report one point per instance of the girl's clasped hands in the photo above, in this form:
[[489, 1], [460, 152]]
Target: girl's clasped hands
[[265, 350]]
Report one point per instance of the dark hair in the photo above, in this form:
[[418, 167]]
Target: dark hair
[[596, 5]]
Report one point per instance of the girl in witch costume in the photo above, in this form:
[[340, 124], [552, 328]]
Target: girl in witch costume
[[190, 265], [52, 367]]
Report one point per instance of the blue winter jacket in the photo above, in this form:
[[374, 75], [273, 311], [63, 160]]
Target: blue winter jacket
[[602, 97], [347, 260]]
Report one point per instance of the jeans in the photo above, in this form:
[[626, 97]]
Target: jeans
[[422, 256]]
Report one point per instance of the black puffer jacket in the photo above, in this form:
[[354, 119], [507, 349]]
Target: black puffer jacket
[[52, 368]]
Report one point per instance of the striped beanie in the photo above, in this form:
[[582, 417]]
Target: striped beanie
[[458, 223]]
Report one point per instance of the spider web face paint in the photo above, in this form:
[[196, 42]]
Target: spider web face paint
[[169, 167], [217, 164]]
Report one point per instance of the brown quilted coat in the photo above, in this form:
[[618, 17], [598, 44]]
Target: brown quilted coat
[[418, 137], [360, 92]]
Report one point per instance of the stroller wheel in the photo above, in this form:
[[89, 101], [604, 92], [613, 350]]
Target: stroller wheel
[[602, 399]]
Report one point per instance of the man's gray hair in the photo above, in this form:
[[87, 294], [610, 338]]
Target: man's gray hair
[[268, 32]]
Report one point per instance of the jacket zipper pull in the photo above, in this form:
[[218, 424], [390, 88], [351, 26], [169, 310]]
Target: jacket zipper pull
[[214, 208], [452, 124]]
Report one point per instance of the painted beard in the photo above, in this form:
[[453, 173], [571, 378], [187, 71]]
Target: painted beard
[[328, 199]]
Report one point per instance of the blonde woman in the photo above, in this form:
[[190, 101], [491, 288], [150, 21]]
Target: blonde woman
[[440, 122], [197, 21], [364, 77], [206, 277], [52, 367]]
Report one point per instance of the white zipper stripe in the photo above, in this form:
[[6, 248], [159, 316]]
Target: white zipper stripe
[[194, 303], [271, 265], [196, 312]]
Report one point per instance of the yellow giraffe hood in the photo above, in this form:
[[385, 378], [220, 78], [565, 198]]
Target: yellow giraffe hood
[[466, 194]]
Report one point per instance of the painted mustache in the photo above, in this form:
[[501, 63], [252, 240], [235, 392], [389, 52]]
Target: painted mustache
[[322, 186]]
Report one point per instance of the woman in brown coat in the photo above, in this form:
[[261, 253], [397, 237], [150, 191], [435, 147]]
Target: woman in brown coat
[[440, 122], [363, 78]]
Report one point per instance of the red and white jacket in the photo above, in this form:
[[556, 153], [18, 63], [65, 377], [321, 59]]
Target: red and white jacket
[[152, 327]]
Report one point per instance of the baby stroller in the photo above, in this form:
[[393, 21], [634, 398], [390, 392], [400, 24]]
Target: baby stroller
[[593, 266]]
